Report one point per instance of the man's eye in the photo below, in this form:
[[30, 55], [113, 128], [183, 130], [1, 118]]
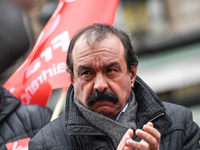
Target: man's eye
[[85, 73], [111, 73], [110, 70]]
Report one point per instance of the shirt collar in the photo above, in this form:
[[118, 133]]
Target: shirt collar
[[123, 110]]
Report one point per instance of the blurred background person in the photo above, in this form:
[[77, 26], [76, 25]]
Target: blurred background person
[[19, 123]]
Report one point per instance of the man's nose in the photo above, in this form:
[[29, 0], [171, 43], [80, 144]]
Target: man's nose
[[100, 83]]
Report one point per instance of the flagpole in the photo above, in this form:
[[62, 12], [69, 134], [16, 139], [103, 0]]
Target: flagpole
[[59, 104]]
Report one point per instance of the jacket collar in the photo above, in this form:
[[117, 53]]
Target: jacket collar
[[150, 108], [9, 102]]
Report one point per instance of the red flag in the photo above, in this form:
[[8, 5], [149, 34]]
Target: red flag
[[18, 145], [45, 67]]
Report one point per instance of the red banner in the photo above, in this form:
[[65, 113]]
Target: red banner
[[45, 67], [21, 144]]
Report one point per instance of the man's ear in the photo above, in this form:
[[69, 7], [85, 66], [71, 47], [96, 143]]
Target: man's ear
[[133, 74]]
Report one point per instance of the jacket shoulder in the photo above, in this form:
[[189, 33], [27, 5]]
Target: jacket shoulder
[[178, 113], [52, 134], [34, 117], [25, 121], [35, 112]]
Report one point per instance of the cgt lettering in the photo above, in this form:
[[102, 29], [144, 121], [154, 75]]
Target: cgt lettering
[[35, 84], [60, 41]]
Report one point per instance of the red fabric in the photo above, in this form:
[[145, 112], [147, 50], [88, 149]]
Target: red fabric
[[18, 145], [45, 69]]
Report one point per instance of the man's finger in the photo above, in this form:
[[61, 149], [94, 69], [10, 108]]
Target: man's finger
[[127, 135], [137, 145], [148, 138], [152, 131]]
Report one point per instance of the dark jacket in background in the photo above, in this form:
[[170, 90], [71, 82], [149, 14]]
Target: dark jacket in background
[[72, 131], [19, 121]]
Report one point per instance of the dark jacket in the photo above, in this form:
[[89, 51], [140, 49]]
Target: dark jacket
[[19, 121], [71, 131]]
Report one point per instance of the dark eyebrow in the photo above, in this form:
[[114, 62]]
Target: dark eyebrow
[[88, 67], [83, 67], [112, 64]]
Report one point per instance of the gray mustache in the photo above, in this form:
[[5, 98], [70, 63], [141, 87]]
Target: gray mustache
[[99, 96]]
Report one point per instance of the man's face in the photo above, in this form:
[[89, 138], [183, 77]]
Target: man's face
[[102, 68]]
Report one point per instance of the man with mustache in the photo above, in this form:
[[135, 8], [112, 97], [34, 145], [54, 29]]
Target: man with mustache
[[99, 96], [108, 106]]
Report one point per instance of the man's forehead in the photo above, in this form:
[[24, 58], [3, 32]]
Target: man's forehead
[[110, 46]]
